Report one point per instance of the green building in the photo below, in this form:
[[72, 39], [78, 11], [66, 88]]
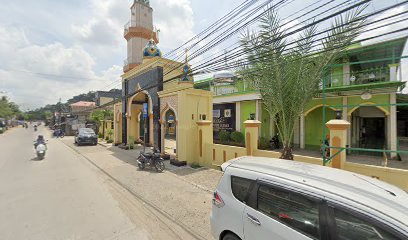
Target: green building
[[361, 77]]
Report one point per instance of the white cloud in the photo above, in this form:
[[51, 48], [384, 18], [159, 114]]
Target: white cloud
[[68, 70], [105, 27], [387, 28], [175, 20]]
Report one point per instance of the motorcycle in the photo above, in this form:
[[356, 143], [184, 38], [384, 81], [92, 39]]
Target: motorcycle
[[275, 143], [40, 149], [151, 160]]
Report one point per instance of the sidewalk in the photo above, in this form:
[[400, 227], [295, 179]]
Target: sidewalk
[[182, 193], [204, 178]]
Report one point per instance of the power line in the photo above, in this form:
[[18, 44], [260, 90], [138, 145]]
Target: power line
[[240, 52]]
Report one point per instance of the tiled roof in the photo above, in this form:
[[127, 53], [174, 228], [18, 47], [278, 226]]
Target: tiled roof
[[83, 104]]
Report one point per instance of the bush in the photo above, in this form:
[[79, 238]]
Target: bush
[[131, 142], [100, 135], [107, 138], [264, 143], [195, 165], [237, 137], [109, 141], [1, 130], [224, 136]]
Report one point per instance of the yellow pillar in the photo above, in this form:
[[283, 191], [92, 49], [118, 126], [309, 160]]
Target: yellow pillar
[[251, 136], [205, 137], [338, 138]]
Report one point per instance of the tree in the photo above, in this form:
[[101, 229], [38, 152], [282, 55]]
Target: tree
[[288, 75], [8, 109]]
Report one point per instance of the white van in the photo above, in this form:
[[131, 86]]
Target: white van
[[263, 198]]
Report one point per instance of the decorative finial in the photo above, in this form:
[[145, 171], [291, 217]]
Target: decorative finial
[[186, 69]]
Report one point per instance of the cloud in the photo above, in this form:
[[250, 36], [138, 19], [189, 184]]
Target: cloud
[[387, 28], [105, 27], [35, 75], [175, 20]]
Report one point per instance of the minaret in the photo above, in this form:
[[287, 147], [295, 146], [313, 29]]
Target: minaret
[[138, 31]]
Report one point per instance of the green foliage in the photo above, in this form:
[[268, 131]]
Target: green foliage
[[264, 143], [131, 142], [100, 135], [97, 116], [110, 133], [224, 136], [110, 141], [1, 130], [107, 138], [237, 137], [195, 165], [8, 110], [87, 97], [288, 75]]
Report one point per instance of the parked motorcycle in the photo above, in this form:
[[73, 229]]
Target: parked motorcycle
[[40, 149], [275, 143], [151, 160]]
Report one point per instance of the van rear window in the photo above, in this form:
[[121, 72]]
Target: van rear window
[[240, 187]]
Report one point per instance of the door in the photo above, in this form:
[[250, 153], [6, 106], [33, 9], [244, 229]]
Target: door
[[281, 215]]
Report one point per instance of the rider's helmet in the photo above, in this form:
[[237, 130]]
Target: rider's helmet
[[40, 137]]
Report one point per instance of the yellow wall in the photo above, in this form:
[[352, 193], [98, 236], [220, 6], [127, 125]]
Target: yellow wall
[[117, 118], [397, 177], [105, 100], [215, 153], [191, 103]]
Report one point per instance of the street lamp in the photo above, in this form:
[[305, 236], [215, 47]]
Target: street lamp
[[339, 114], [252, 116]]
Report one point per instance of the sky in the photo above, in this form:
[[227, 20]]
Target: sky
[[57, 49]]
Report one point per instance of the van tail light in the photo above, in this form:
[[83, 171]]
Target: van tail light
[[217, 200]]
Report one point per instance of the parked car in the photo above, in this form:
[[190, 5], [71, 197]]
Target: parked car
[[86, 136], [263, 198]]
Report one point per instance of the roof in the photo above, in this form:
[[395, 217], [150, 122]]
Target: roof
[[83, 104], [332, 183]]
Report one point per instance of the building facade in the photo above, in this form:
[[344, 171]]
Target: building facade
[[362, 85]]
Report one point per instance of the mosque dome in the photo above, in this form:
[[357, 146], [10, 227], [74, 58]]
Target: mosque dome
[[151, 49]]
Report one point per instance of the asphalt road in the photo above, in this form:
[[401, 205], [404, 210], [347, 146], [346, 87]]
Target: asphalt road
[[60, 197]]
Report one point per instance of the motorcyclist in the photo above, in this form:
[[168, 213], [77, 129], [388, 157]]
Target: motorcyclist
[[40, 140]]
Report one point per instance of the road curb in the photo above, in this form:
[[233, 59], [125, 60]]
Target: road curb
[[103, 145]]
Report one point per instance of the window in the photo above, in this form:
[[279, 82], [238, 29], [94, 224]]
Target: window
[[291, 209], [240, 187], [350, 227]]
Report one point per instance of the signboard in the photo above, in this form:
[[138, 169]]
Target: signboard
[[171, 118], [216, 113], [223, 118], [145, 106], [227, 113]]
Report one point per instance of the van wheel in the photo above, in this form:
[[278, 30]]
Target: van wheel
[[230, 236]]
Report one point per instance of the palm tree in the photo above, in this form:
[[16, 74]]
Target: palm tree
[[288, 75]]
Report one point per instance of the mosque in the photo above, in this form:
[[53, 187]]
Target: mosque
[[159, 102]]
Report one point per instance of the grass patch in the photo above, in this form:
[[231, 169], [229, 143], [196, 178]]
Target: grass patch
[[195, 165]]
